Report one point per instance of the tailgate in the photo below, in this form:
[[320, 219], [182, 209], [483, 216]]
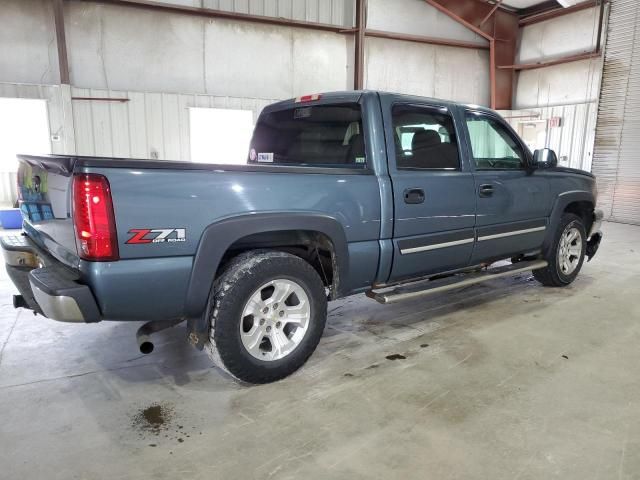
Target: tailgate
[[44, 193]]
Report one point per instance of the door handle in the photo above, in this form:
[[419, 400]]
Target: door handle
[[486, 190], [414, 195]]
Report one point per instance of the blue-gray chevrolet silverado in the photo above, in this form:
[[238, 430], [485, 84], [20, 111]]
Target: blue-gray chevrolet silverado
[[392, 195]]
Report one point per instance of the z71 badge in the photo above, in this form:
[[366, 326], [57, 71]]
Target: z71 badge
[[157, 235]]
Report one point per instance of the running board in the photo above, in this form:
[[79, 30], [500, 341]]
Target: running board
[[427, 287]]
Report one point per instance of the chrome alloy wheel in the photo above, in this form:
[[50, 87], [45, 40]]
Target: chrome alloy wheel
[[569, 250], [275, 319]]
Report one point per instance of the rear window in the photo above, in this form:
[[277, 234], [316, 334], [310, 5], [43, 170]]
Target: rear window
[[323, 135]]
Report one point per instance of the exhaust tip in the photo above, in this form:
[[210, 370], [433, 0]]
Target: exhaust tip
[[143, 335], [146, 347]]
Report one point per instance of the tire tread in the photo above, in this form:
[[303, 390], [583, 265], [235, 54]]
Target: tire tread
[[227, 293]]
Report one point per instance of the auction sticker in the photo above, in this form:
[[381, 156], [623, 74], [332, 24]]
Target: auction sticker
[[265, 157]]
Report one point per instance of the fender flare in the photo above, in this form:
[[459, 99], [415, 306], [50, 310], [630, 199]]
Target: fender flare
[[561, 203], [218, 237]]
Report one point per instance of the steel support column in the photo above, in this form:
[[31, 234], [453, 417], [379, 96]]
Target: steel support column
[[61, 41], [500, 28], [361, 25]]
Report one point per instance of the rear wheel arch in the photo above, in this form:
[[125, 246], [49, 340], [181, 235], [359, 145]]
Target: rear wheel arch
[[220, 239], [314, 247]]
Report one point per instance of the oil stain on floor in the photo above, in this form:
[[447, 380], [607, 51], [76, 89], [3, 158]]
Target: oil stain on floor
[[153, 419], [159, 421]]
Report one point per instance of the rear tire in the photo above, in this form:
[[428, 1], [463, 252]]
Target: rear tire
[[566, 253], [267, 313]]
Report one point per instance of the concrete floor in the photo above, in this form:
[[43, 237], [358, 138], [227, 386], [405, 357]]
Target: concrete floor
[[504, 380]]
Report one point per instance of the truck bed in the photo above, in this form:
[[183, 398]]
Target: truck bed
[[67, 164], [185, 199]]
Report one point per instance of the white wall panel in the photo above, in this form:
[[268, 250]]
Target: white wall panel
[[134, 49], [321, 62], [567, 35], [418, 18], [244, 59], [28, 52], [180, 53], [571, 83], [433, 71]]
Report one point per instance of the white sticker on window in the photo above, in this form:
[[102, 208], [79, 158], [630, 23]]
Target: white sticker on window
[[265, 157]]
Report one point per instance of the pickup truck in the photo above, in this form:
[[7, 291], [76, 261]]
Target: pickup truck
[[348, 192]]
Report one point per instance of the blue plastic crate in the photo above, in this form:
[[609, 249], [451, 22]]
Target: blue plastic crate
[[11, 218]]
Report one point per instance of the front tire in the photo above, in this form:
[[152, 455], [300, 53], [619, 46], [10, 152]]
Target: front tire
[[267, 314], [566, 253]]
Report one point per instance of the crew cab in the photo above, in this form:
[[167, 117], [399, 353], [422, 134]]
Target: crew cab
[[343, 193]]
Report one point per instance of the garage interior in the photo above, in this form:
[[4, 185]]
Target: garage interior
[[506, 379]]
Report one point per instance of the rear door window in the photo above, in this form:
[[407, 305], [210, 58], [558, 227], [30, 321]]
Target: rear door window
[[425, 138], [320, 135]]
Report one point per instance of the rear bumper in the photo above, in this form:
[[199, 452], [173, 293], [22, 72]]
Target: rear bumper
[[46, 285], [598, 216], [595, 234]]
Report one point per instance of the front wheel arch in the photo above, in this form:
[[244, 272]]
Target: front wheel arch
[[567, 202]]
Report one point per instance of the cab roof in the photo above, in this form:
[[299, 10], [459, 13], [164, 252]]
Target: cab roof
[[352, 96]]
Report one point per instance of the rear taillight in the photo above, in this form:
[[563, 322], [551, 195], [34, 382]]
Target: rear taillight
[[308, 98], [93, 218]]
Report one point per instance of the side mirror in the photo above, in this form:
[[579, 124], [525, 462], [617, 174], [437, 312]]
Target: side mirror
[[544, 158]]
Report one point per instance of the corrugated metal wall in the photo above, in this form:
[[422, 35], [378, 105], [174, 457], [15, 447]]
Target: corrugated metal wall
[[148, 125], [336, 12], [572, 140], [616, 160]]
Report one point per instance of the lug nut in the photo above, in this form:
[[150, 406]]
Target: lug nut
[[265, 310], [281, 313], [275, 305], [268, 329], [262, 321], [278, 324]]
